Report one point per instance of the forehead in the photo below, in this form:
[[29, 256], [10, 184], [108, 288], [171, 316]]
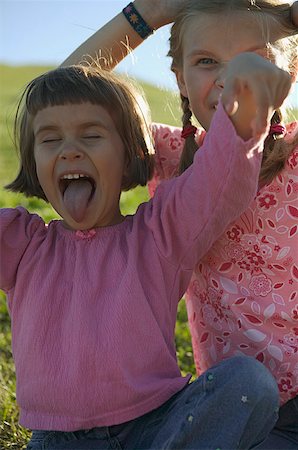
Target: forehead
[[71, 115], [237, 30]]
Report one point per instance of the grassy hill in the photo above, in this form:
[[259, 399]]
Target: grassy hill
[[164, 108]]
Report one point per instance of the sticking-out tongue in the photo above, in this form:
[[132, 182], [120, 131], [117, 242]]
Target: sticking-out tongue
[[76, 198]]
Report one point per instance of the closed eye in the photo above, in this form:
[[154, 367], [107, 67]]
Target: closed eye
[[45, 141], [93, 136]]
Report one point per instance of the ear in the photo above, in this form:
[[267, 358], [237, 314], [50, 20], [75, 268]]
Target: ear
[[180, 82]]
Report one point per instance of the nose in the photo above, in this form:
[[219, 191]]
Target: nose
[[219, 83], [70, 151], [220, 76]]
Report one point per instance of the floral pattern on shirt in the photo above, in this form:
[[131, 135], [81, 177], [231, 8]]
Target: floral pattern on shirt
[[243, 297]]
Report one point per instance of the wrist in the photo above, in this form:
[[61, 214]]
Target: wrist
[[152, 13]]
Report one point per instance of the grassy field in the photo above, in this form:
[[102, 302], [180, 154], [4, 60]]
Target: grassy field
[[164, 109]]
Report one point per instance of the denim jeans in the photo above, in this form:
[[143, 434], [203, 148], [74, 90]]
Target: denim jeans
[[233, 405], [284, 435]]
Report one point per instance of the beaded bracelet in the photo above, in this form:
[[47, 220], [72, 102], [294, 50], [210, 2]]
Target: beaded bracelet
[[136, 21]]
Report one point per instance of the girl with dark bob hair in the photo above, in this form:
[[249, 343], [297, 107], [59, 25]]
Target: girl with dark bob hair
[[93, 316], [77, 85]]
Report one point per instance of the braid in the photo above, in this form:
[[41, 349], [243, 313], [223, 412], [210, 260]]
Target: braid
[[276, 149], [276, 152], [190, 145]]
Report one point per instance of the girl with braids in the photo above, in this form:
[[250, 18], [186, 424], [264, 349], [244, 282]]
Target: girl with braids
[[243, 295]]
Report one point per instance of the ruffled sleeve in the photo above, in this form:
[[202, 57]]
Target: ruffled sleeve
[[292, 132], [168, 148], [17, 227]]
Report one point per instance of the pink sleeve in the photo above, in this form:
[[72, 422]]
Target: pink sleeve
[[292, 132], [168, 148], [292, 162], [17, 226], [188, 213]]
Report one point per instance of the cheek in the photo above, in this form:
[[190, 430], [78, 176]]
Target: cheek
[[42, 169], [202, 113], [198, 86], [202, 93], [38, 164]]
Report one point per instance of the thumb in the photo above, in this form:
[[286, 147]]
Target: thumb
[[229, 97]]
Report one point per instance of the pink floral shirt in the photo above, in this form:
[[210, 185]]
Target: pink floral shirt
[[243, 296]]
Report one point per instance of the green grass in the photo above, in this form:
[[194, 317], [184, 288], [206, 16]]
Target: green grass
[[164, 108]]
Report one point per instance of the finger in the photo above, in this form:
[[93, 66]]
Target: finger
[[294, 14], [264, 110], [283, 90], [229, 96]]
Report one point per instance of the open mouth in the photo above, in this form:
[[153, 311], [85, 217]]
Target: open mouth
[[77, 191], [68, 179]]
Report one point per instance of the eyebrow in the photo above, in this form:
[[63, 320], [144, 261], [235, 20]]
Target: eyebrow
[[82, 126], [258, 47], [200, 52], [45, 128], [210, 53]]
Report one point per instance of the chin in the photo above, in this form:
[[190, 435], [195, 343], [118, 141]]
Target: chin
[[84, 225]]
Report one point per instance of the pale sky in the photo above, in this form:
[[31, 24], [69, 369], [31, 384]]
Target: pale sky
[[45, 32]]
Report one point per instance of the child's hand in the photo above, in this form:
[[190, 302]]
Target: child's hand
[[253, 89], [164, 11], [294, 14]]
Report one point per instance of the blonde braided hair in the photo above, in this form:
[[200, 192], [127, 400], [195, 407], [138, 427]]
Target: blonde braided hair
[[276, 149]]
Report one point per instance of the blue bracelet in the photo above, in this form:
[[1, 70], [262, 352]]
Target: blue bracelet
[[136, 21]]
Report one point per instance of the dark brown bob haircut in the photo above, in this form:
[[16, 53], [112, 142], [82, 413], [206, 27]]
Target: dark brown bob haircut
[[80, 84]]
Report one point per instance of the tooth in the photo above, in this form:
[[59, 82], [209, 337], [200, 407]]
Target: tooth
[[72, 176]]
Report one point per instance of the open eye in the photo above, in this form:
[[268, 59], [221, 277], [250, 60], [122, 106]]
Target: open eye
[[206, 61]]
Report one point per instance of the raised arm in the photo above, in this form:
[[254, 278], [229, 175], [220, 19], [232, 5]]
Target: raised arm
[[117, 38]]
